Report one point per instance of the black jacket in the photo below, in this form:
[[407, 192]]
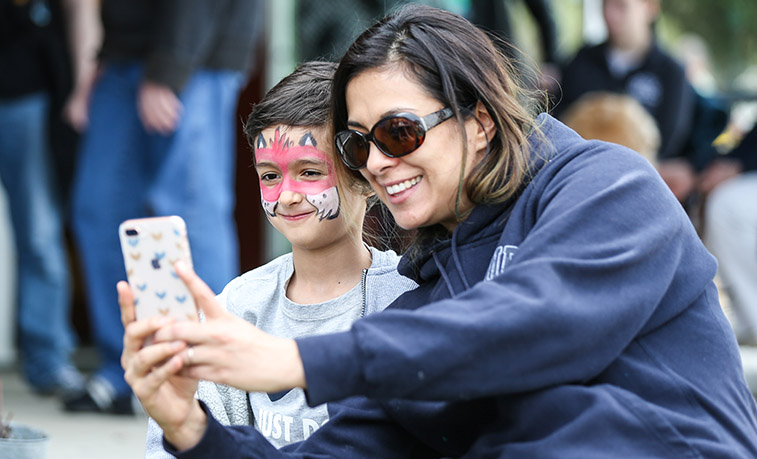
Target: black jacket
[[33, 50], [659, 84], [174, 38], [746, 151]]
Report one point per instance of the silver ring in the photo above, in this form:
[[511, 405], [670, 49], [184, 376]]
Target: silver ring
[[190, 355]]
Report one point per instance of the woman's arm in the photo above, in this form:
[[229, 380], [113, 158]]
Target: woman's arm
[[356, 428], [608, 245], [604, 249]]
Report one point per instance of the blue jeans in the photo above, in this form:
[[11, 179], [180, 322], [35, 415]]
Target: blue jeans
[[125, 172], [45, 334]]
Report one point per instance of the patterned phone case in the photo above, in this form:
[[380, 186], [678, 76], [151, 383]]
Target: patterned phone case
[[150, 248]]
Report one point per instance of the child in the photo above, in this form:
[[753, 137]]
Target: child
[[310, 199]]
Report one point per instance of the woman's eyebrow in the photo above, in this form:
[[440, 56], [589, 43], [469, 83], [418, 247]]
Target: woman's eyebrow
[[392, 111], [351, 123]]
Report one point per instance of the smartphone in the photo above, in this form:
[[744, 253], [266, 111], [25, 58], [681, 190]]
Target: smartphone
[[150, 248]]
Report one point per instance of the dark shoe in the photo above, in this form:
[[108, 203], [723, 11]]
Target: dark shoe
[[84, 403], [67, 382], [95, 400], [125, 404], [81, 403]]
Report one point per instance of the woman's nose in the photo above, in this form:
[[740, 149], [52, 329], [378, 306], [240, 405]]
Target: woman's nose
[[378, 162]]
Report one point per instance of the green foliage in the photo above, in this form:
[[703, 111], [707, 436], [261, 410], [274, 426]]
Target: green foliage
[[727, 26]]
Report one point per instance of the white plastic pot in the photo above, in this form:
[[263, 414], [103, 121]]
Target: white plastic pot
[[24, 443]]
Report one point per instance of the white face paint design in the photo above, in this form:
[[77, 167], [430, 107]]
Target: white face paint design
[[327, 203]]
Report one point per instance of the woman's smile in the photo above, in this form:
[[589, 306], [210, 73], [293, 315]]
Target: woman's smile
[[397, 188]]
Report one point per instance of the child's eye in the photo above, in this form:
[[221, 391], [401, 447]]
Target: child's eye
[[268, 177], [311, 173]]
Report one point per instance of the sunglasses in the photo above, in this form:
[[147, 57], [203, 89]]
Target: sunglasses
[[394, 135]]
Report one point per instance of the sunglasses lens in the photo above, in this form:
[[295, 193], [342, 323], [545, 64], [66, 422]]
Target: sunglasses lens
[[353, 148], [397, 136]]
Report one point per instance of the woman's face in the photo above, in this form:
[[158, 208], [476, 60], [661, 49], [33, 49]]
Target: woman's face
[[420, 188]]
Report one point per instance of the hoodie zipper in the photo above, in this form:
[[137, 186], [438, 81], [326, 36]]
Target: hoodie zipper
[[362, 289]]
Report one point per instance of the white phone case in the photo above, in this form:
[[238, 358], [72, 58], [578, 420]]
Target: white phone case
[[150, 248]]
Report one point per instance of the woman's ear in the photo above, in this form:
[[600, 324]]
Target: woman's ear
[[481, 129]]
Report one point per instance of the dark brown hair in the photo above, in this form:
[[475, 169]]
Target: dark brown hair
[[302, 99], [299, 99], [457, 64]]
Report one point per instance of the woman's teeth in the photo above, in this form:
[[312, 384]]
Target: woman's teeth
[[402, 186]]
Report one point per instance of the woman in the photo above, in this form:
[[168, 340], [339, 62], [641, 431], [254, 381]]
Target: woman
[[565, 307]]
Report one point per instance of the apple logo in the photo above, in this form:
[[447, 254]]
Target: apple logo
[[156, 261]]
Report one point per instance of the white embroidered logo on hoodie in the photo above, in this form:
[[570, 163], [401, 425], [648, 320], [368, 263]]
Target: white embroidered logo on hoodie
[[501, 257]]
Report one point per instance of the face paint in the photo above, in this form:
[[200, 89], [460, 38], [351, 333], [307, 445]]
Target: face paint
[[290, 158]]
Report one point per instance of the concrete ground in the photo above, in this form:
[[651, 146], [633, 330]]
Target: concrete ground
[[73, 435]]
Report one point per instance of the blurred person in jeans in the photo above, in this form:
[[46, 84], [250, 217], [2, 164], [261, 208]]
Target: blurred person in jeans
[[36, 85], [160, 142]]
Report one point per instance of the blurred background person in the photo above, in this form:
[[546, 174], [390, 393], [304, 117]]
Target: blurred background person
[[730, 231], [631, 62], [324, 30], [35, 95], [496, 17], [160, 141]]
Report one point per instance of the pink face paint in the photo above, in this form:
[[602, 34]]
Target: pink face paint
[[282, 152]]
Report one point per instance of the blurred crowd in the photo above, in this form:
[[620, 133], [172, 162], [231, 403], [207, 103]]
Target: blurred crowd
[[117, 109]]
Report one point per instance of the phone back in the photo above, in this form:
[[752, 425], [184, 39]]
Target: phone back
[[150, 248]]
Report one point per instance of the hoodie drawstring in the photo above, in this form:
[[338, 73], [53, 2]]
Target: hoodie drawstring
[[458, 265], [444, 274]]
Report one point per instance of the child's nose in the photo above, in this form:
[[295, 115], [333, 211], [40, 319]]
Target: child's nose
[[289, 197]]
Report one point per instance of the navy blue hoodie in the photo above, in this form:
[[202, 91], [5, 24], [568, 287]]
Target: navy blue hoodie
[[579, 321]]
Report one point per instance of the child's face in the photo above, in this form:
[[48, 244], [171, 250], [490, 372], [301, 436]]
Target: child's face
[[298, 183], [291, 161]]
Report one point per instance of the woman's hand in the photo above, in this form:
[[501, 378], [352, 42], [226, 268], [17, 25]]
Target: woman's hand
[[230, 350], [153, 373]]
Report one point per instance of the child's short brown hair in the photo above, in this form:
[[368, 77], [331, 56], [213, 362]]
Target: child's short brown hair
[[616, 118]]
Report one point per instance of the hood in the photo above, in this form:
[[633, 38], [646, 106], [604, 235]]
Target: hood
[[546, 145], [552, 142]]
